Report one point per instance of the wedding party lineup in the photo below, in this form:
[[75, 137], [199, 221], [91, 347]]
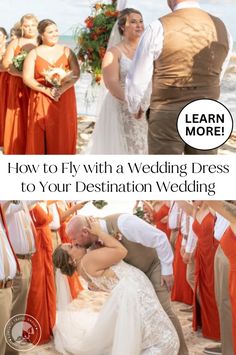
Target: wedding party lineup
[[105, 107]]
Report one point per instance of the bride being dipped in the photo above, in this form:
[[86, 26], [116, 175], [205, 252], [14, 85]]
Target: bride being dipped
[[131, 321], [117, 131]]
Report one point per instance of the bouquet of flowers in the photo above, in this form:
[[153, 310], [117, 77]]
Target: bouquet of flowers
[[57, 76], [92, 40], [18, 60], [99, 204]]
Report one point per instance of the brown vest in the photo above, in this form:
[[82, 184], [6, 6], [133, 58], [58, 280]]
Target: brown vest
[[138, 255], [194, 49]]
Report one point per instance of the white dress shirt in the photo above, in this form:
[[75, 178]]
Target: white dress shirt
[[174, 216], [139, 79], [137, 230], [20, 229], [53, 211], [10, 257], [220, 227], [192, 238]]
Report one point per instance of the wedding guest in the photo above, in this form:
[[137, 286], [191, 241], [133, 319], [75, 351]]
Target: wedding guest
[[15, 31], [205, 311], [3, 83], [116, 131], [41, 302], [18, 93], [8, 270], [148, 249], [183, 56], [50, 71], [21, 235]]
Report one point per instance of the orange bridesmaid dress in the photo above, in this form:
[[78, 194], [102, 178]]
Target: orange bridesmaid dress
[[41, 303], [16, 114], [228, 244], [181, 290], [4, 77], [74, 283], [206, 314], [158, 216], [52, 126]]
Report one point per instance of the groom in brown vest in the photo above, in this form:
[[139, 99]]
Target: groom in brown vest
[[148, 249], [183, 56]]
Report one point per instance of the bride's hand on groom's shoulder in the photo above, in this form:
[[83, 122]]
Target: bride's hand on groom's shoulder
[[168, 280], [94, 226]]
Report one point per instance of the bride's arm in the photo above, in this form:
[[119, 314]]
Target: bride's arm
[[111, 73], [98, 260]]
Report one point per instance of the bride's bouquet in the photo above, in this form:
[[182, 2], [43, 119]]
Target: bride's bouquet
[[18, 60], [57, 76]]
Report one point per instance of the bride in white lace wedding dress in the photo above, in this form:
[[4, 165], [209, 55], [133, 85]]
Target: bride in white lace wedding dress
[[116, 130], [131, 321]]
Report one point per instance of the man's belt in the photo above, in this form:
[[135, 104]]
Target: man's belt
[[24, 256], [6, 283]]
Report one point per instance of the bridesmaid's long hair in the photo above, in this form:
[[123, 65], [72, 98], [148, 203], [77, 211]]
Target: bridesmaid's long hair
[[42, 27], [123, 18], [27, 17]]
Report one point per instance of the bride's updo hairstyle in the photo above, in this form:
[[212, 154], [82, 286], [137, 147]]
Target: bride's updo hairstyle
[[63, 261], [42, 25], [123, 18]]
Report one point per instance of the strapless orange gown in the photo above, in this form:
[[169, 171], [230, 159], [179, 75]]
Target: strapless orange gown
[[16, 114], [74, 283], [52, 126], [181, 290], [228, 244], [41, 303], [4, 77], [157, 217], [205, 315]]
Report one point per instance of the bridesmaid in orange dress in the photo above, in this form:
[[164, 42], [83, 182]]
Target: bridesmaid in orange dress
[[3, 83], [160, 216], [41, 302], [52, 126], [18, 93], [205, 314], [228, 244], [181, 290]]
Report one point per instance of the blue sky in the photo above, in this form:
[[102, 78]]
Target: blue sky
[[70, 13]]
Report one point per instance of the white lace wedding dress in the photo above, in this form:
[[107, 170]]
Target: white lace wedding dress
[[116, 130], [130, 322]]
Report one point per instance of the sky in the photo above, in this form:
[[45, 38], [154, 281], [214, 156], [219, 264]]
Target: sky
[[71, 13]]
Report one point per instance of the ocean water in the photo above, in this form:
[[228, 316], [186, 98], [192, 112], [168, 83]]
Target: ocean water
[[88, 97]]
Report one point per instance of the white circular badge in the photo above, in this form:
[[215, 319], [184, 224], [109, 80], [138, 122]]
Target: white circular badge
[[205, 124]]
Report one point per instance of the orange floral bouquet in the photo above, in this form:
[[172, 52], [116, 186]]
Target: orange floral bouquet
[[92, 39]]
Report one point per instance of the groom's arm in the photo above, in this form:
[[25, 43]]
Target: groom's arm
[[139, 231], [139, 78]]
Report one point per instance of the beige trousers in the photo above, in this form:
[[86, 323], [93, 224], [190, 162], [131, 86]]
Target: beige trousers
[[20, 290], [221, 272], [163, 137], [164, 297], [5, 305]]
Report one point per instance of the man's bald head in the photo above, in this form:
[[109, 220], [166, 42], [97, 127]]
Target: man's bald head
[[78, 232]]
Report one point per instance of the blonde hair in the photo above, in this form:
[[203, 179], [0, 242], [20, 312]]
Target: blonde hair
[[27, 17]]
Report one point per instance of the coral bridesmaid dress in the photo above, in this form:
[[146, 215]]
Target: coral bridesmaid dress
[[158, 216], [206, 314], [181, 290], [52, 126], [228, 244], [4, 77], [16, 114], [41, 303]]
